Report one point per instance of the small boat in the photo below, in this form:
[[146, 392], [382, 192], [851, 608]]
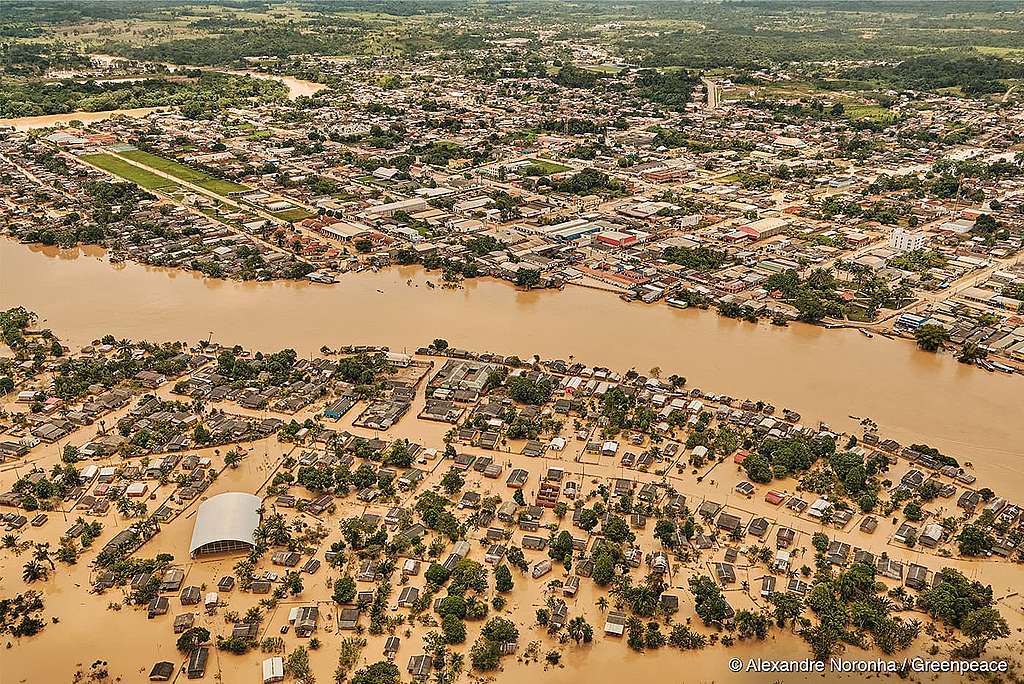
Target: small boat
[[381, 291], [865, 333]]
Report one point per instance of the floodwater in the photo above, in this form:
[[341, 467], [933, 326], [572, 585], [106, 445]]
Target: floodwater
[[130, 643], [27, 123], [823, 374], [296, 86]]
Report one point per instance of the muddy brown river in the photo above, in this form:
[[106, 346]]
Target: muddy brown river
[[824, 374]]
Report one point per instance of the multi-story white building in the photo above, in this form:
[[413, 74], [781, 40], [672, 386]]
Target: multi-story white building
[[907, 241]]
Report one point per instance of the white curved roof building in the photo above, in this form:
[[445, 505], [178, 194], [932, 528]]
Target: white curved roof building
[[226, 522]]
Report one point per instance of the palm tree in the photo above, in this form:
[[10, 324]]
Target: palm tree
[[42, 555], [34, 571], [233, 458], [602, 603], [123, 506]]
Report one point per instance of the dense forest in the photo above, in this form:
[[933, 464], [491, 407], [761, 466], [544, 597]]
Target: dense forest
[[268, 41], [914, 44], [975, 74], [35, 59]]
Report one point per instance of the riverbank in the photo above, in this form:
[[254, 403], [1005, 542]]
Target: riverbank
[[28, 123], [296, 88], [825, 375]]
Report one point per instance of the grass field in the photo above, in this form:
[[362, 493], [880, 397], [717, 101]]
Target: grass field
[[185, 173], [141, 177], [296, 214], [873, 112], [549, 166]]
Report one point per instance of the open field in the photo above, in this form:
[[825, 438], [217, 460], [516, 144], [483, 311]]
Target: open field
[[141, 177], [296, 214], [549, 166], [185, 173]]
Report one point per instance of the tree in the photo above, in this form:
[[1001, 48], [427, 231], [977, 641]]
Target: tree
[[665, 532], [381, 672], [525, 390], [517, 559], [579, 630], [500, 630], [200, 435], [42, 554], [527, 277], [971, 352], [685, 638], [561, 546], [468, 575], [34, 571], [931, 337], [484, 655], [233, 458], [453, 629], [349, 652], [344, 590], [453, 604], [751, 624], [758, 468], [293, 582], [503, 579], [70, 454], [440, 344], [617, 530], [67, 551], [399, 455], [635, 634], [786, 606], [709, 603], [974, 541], [452, 481], [587, 519], [192, 638], [653, 638], [952, 597], [604, 569], [981, 625]]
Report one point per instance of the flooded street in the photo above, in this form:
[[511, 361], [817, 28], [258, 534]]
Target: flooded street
[[824, 374]]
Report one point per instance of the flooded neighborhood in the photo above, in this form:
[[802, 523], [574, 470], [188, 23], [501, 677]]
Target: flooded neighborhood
[[425, 341]]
